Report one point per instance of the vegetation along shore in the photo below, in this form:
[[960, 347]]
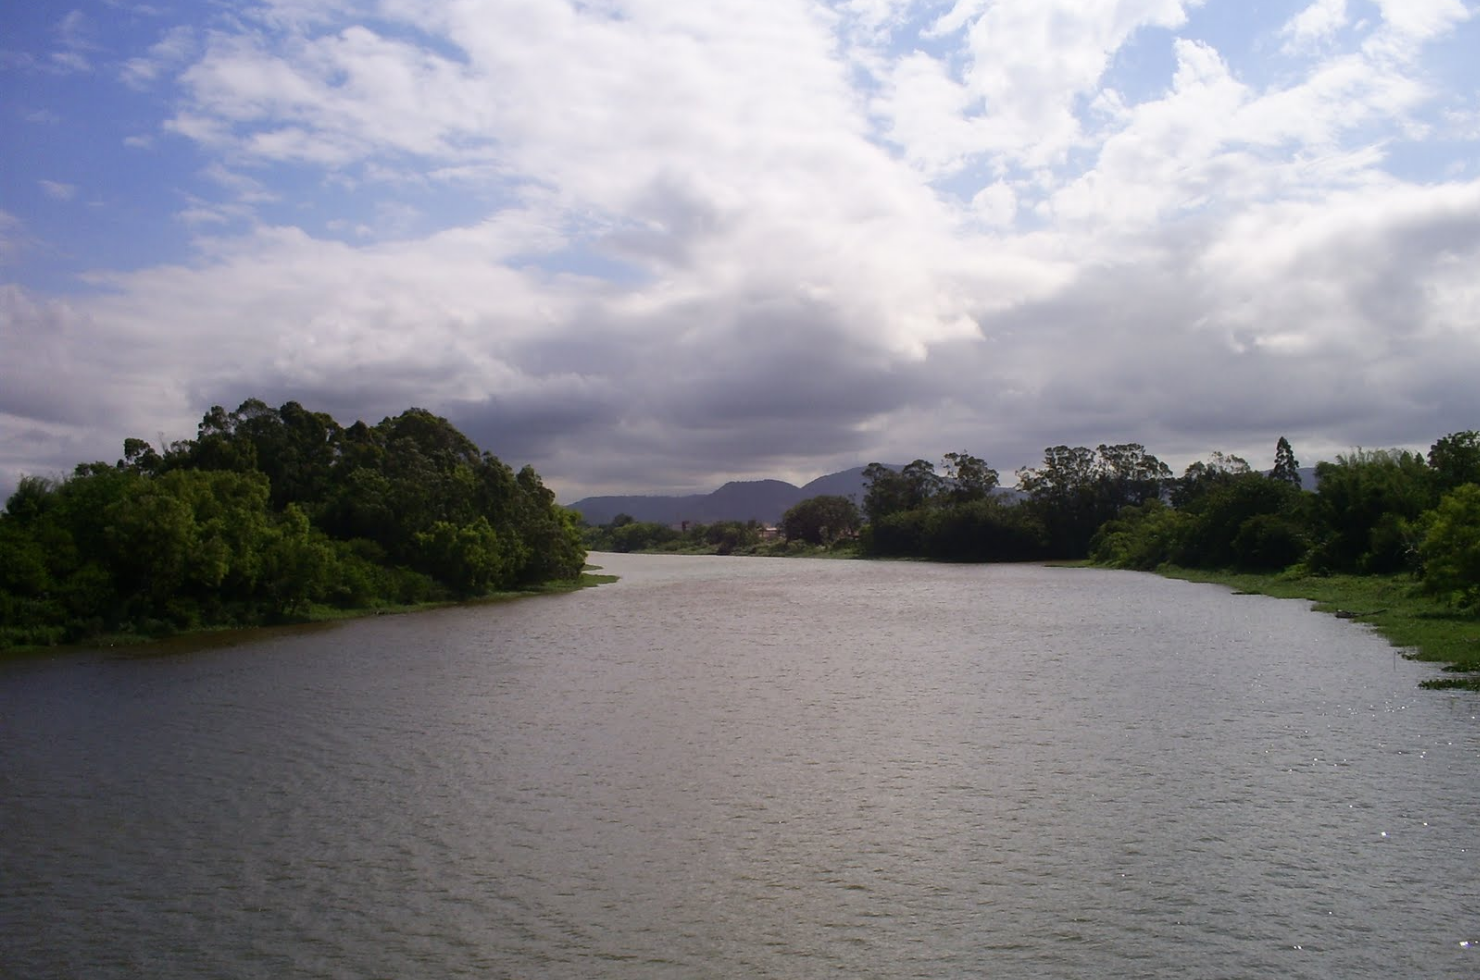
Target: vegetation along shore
[[284, 515], [1386, 537], [273, 516]]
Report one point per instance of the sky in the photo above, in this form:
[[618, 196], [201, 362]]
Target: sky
[[649, 246]]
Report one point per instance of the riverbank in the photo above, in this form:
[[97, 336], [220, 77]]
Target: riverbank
[[317, 615], [1420, 627], [763, 549]]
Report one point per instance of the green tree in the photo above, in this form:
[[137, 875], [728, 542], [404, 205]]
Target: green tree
[[139, 456], [727, 537], [1364, 503], [470, 559], [1142, 537], [1077, 489], [265, 512], [967, 478], [188, 538], [821, 520], [888, 491], [1455, 460], [1218, 533], [1286, 466], [1202, 477], [297, 565], [1450, 548]]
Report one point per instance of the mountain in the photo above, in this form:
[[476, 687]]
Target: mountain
[[744, 500]]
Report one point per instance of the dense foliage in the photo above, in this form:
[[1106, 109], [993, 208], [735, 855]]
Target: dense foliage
[[624, 535], [1370, 513], [957, 515], [821, 520], [266, 513]]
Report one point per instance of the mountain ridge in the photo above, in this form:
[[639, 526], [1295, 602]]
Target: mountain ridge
[[738, 500]]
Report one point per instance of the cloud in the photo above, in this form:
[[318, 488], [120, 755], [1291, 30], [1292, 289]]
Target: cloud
[[1422, 19], [58, 191], [1031, 60], [1315, 24], [171, 52], [75, 33], [649, 246]]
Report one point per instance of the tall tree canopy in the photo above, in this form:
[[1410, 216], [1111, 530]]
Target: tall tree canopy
[[821, 520], [1286, 466], [1077, 489], [268, 511]]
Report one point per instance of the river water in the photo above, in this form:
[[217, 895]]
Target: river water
[[738, 768]]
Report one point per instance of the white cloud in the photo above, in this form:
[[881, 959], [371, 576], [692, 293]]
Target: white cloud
[[1362, 276], [1315, 24], [58, 191], [172, 51], [1030, 60], [75, 33], [1422, 19], [645, 241]]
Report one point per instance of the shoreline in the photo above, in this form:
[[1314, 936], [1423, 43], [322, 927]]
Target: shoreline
[[1420, 628], [318, 617]]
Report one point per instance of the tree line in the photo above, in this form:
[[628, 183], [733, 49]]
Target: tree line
[[267, 513], [1371, 512], [625, 534]]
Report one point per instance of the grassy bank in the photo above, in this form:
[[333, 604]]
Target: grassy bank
[[316, 615], [1423, 629]]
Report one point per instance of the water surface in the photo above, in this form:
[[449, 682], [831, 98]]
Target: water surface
[[752, 768]]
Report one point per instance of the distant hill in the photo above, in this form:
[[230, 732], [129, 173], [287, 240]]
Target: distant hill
[[760, 500]]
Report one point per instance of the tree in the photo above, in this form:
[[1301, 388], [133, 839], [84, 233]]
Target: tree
[[1364, 502], [1286, 466], [1141, 537], [1064, 475], [821, 520], [1061, 493], [267, 511], [470, 558], [296, 564], [728, 536], [967, 478], [1130, 476], [922, 484], [1455, 460], [1269, 542], [885, 492], [33, 496], [1450, 549], [1201, 477], [1078, 489], [1221, 509], [139, 456], [640, 536]]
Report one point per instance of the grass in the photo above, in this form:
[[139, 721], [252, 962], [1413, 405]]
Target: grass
[[1421, 628]]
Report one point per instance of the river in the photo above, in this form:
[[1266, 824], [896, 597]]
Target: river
[[751, 768]]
